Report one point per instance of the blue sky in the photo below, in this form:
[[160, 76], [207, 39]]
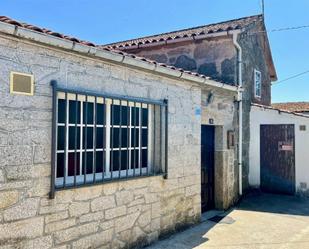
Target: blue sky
[[105, 21]]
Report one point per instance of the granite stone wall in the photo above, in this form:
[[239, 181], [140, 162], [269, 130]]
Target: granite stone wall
[[222, 111], [114, 215]]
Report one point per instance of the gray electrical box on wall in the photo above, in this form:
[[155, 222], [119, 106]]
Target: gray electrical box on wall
[[21, 83]]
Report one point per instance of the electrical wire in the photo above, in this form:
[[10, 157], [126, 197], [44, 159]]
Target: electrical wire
[[291, 77]]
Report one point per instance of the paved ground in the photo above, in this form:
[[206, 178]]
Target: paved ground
[[260, 221]]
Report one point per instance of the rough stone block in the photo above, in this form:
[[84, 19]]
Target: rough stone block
[[145, 218], [16, 155], [79, 208], [59, 225], [27, 172], [102, 203], [107, 224], [88, 193], [24, 209], [115, 212], [42, 243], [56, 217], [91, 217], [75, 232], [124, 197], [95, 240], [125, 222], [29, 228], [8, 198]]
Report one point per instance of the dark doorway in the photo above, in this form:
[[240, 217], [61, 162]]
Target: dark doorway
[[277, 154], [207, 166]]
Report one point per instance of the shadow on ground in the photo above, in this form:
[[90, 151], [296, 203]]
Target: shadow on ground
[[272, 203]]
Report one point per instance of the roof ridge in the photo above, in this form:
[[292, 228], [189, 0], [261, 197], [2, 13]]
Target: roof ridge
[[186, 29]]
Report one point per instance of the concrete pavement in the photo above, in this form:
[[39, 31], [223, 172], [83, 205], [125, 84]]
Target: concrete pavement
[[260, 221]]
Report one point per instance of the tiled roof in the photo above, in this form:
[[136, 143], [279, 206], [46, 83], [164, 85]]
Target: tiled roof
[[185, 33], [76, 40], [292, 106], [43, 30]]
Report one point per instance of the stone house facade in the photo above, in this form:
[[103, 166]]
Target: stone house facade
[[35, 211], [211, 50]]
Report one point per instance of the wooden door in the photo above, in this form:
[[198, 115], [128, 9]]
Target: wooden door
[[277, 157], [207, 166]]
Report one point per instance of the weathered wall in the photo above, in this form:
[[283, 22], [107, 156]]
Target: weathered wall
[[223, 111], [112, 215], [253, 58], [212, 57], [260, 116]]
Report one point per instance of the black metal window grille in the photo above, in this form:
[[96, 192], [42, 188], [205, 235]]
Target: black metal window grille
[[100, 138]]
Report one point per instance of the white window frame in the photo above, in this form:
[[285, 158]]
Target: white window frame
[[257, 84], [69, 180]]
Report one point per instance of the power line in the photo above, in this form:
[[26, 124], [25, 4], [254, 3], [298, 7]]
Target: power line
[[292, 77], [279, 30]]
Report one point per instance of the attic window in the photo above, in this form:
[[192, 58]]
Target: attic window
[[257, 83], [21, 83]]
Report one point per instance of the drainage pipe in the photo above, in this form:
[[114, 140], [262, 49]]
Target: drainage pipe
[[240, 108]]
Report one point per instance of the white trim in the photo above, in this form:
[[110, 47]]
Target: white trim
[[257, 72]]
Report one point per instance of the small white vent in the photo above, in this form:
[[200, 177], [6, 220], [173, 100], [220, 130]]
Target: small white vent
[[21, 83]]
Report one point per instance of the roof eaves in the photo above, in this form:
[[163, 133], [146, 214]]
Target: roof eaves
[[279, 110], [54, 39], [186, 34]]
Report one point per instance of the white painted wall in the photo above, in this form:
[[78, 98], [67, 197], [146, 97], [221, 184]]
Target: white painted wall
[[260, 115]]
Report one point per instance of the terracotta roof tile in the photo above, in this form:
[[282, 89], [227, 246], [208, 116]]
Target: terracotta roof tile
[[292, 106], [8, 20], [191, 32]]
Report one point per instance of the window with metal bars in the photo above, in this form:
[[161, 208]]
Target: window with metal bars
[[99, 138]]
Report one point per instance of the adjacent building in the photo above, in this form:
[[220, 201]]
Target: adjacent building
[[296, 107]]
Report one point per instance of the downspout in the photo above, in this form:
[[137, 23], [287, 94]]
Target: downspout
[[240, 108]]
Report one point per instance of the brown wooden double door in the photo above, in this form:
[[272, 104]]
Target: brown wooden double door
[[277, 157], [207, 166]]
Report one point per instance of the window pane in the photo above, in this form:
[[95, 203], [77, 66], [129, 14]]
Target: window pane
[[71, 163], [88, 161], [124, 140], [100, 156], [115, 138], [72, 138], [89, 112], [115, 161], [144, 117], [72, 112], [124, 115], [144, 137], [134, 160], [99, 138], [135, 116], [100, 114], [124, 161], [61, 110], [89, 137], [144, 158], [134, 137], [115, 114], [61, 138], [60, 164]]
